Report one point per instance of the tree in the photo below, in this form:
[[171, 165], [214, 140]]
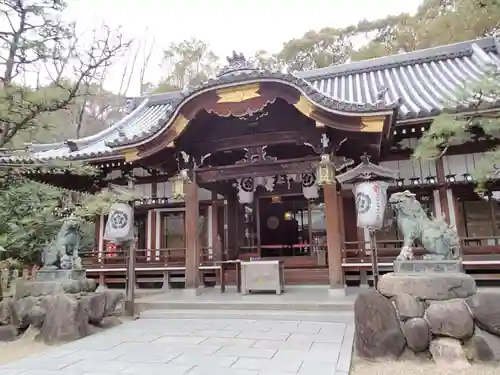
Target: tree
[[32, 33], [451, 128], [267, 61], [30, 210], [29, 221], [436, 22], [388, 36], [320, 49], [189, 62]]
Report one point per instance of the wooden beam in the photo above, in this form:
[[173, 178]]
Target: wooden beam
[[290, 166], [275, 138]]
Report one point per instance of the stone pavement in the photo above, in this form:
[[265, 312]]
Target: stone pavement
[[205, 343]]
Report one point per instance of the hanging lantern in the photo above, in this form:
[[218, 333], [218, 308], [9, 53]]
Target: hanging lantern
[[371, 201], [325, 171], [370, 183], [178, 192]]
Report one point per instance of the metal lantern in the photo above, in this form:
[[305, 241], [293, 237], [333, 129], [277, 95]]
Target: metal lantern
[[178, 192], [325, 171]]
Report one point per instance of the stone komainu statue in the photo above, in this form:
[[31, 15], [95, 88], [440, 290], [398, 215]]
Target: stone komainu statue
[[62, 253], [438, 238]]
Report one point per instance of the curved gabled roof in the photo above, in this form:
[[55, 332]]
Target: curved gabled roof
[[249, 76], [425, 81]]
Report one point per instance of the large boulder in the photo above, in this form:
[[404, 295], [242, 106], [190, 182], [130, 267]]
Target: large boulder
[[485, 308], [66, 318], [8, 333], [408, 306], [484, 346], [6, 306], [36, 316], [417, 334], [377, 328], [450, 318], [428, 286], [97, 307], [448, 351], [21, 311], [113, 298]]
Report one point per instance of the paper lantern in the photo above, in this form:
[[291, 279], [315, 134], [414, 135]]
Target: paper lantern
[[371, 200]]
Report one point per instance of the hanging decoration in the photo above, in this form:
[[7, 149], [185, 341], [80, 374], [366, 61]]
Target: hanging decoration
[[178, 191], [309, 186], [325, 171], [246, 189], [371, 200], [120, 225]]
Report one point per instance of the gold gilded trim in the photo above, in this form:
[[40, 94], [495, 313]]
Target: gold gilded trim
[[171, 144], [131, 154], [372, 124], [319, 124], [238, 94], [179, 124], [304, 106]]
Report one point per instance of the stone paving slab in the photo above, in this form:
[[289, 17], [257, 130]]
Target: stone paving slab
[[222, 344]]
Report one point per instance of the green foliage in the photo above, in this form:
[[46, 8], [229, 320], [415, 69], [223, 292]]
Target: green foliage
[[30, 209], [320, 49], [451, 129], [188, 62], [435, 23], [29, 222]]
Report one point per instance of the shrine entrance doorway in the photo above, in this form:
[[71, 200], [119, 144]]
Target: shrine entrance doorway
[[287, 227]]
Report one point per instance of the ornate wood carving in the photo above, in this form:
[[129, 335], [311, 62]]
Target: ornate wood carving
[[291, 166], [280, 137]]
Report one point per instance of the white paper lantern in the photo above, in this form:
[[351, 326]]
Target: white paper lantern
[[371, 199], [120, 225]]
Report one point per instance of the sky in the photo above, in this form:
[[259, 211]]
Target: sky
[[244, 26]]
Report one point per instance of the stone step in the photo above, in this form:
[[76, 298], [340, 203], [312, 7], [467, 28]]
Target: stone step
[[287, 315], [242, 305]]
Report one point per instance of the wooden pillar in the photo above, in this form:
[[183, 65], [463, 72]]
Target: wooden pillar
[[442, 191], [216, 244], [191, 222], [333, 236]]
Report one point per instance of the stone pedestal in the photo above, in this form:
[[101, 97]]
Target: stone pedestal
[[427, 266], [428, 286], [55, 281], [59, 275]]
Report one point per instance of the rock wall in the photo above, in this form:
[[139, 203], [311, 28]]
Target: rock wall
[[450, 331], [60, 316]]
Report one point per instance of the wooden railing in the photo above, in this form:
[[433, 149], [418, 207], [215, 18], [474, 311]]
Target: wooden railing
[[480, 257], [146, 257], [391, 248]]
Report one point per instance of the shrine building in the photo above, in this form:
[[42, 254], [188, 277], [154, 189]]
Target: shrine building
[[227, 170]]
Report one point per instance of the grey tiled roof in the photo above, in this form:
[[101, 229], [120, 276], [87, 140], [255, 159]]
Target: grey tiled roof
[[138, 120], [424, 81]]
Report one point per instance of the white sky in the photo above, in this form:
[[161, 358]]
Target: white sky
[[244, 26]]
